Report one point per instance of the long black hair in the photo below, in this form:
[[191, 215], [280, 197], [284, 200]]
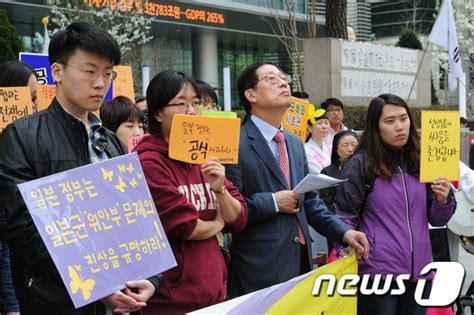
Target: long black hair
[[378, 155], [15, 73]]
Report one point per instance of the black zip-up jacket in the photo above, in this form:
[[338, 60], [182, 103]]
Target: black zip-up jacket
[[39, 145]]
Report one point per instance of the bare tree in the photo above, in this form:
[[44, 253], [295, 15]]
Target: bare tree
[[285, 25], [413, 14], [336, 18]]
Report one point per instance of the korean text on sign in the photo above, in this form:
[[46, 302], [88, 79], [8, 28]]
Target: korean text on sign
[[196, 139], [440, 140], [295, 119], [15, 103], [100, 226]]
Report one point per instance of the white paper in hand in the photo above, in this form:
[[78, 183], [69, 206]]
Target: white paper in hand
[[316, 182]]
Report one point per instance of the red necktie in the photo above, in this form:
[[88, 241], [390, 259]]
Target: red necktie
[[285, 168]]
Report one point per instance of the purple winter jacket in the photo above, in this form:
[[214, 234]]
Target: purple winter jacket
[[394, 215]]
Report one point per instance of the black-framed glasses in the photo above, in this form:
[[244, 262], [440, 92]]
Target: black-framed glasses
[[184, 107], [93, 75], [273, 78]]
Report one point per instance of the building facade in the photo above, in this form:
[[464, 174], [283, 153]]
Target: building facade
[[196, 37]]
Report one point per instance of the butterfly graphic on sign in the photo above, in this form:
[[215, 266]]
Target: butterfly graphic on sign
[[77, 282]]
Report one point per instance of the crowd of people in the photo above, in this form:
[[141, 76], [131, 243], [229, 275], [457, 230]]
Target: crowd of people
[[252, 200]]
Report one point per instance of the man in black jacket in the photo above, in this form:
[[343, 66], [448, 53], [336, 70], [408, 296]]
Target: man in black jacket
[[65, 136]]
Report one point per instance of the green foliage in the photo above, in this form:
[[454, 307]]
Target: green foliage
[[354, 117], [409, 39], [10, 42]]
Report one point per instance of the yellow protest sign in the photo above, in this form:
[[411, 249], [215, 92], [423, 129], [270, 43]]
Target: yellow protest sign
[[196, 139], [295, 119], [123, 84], [45, 95], [300, 299], [440, 140], [15, 103]]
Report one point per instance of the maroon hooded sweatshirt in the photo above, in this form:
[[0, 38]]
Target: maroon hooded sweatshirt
[[182, 195]]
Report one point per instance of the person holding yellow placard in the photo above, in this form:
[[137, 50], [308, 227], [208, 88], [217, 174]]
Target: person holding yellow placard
[[384, 198], [194, 202]]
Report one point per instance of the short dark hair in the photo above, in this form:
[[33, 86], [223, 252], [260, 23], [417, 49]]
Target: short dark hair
[[248, 79], [85, 36], [162, 89], [300, 94], [206, 90], [331, 101], [15, 73], [378, 156], [119, 110], [463, 121]]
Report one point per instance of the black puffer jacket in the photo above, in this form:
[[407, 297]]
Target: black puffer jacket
[[45, 143]]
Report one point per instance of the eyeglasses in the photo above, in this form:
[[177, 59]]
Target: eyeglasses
[[335, 110], [184, 107], [93, 75], [273, 79], [211, 106]]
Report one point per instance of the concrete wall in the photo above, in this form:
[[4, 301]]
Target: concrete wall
[[357, 72]]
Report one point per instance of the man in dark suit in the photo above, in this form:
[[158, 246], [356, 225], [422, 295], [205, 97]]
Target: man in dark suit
[[275, 245]]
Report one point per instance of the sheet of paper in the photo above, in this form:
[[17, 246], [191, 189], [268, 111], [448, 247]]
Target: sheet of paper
[[316, 182]]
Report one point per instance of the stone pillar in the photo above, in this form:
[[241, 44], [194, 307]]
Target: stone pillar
[[205, 58]]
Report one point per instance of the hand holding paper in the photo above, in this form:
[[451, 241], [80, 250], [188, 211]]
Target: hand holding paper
[[313, 182]]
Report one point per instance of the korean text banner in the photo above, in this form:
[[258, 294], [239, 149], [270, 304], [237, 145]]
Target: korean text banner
[[15, 103], [440, 140], [196, 139], [100, 226], [295, 119]]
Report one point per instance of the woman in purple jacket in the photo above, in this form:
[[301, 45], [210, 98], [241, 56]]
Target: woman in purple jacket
[[384, 199]]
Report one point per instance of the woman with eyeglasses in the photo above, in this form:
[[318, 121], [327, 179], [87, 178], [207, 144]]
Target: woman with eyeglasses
[[318, 149], [343, 147], [194, 202], [208, 96]]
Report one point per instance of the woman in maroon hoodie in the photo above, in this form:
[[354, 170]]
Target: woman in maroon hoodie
[[194, 202]]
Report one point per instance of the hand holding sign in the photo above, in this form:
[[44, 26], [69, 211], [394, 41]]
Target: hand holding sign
[[101, 228], [195, 139]]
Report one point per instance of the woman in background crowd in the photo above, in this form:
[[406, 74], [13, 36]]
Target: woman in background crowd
[[17, 73], [12, 73], [318, 151], [194, 202], [384, 198], [123, 117], [343, 146], [208, 95]]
